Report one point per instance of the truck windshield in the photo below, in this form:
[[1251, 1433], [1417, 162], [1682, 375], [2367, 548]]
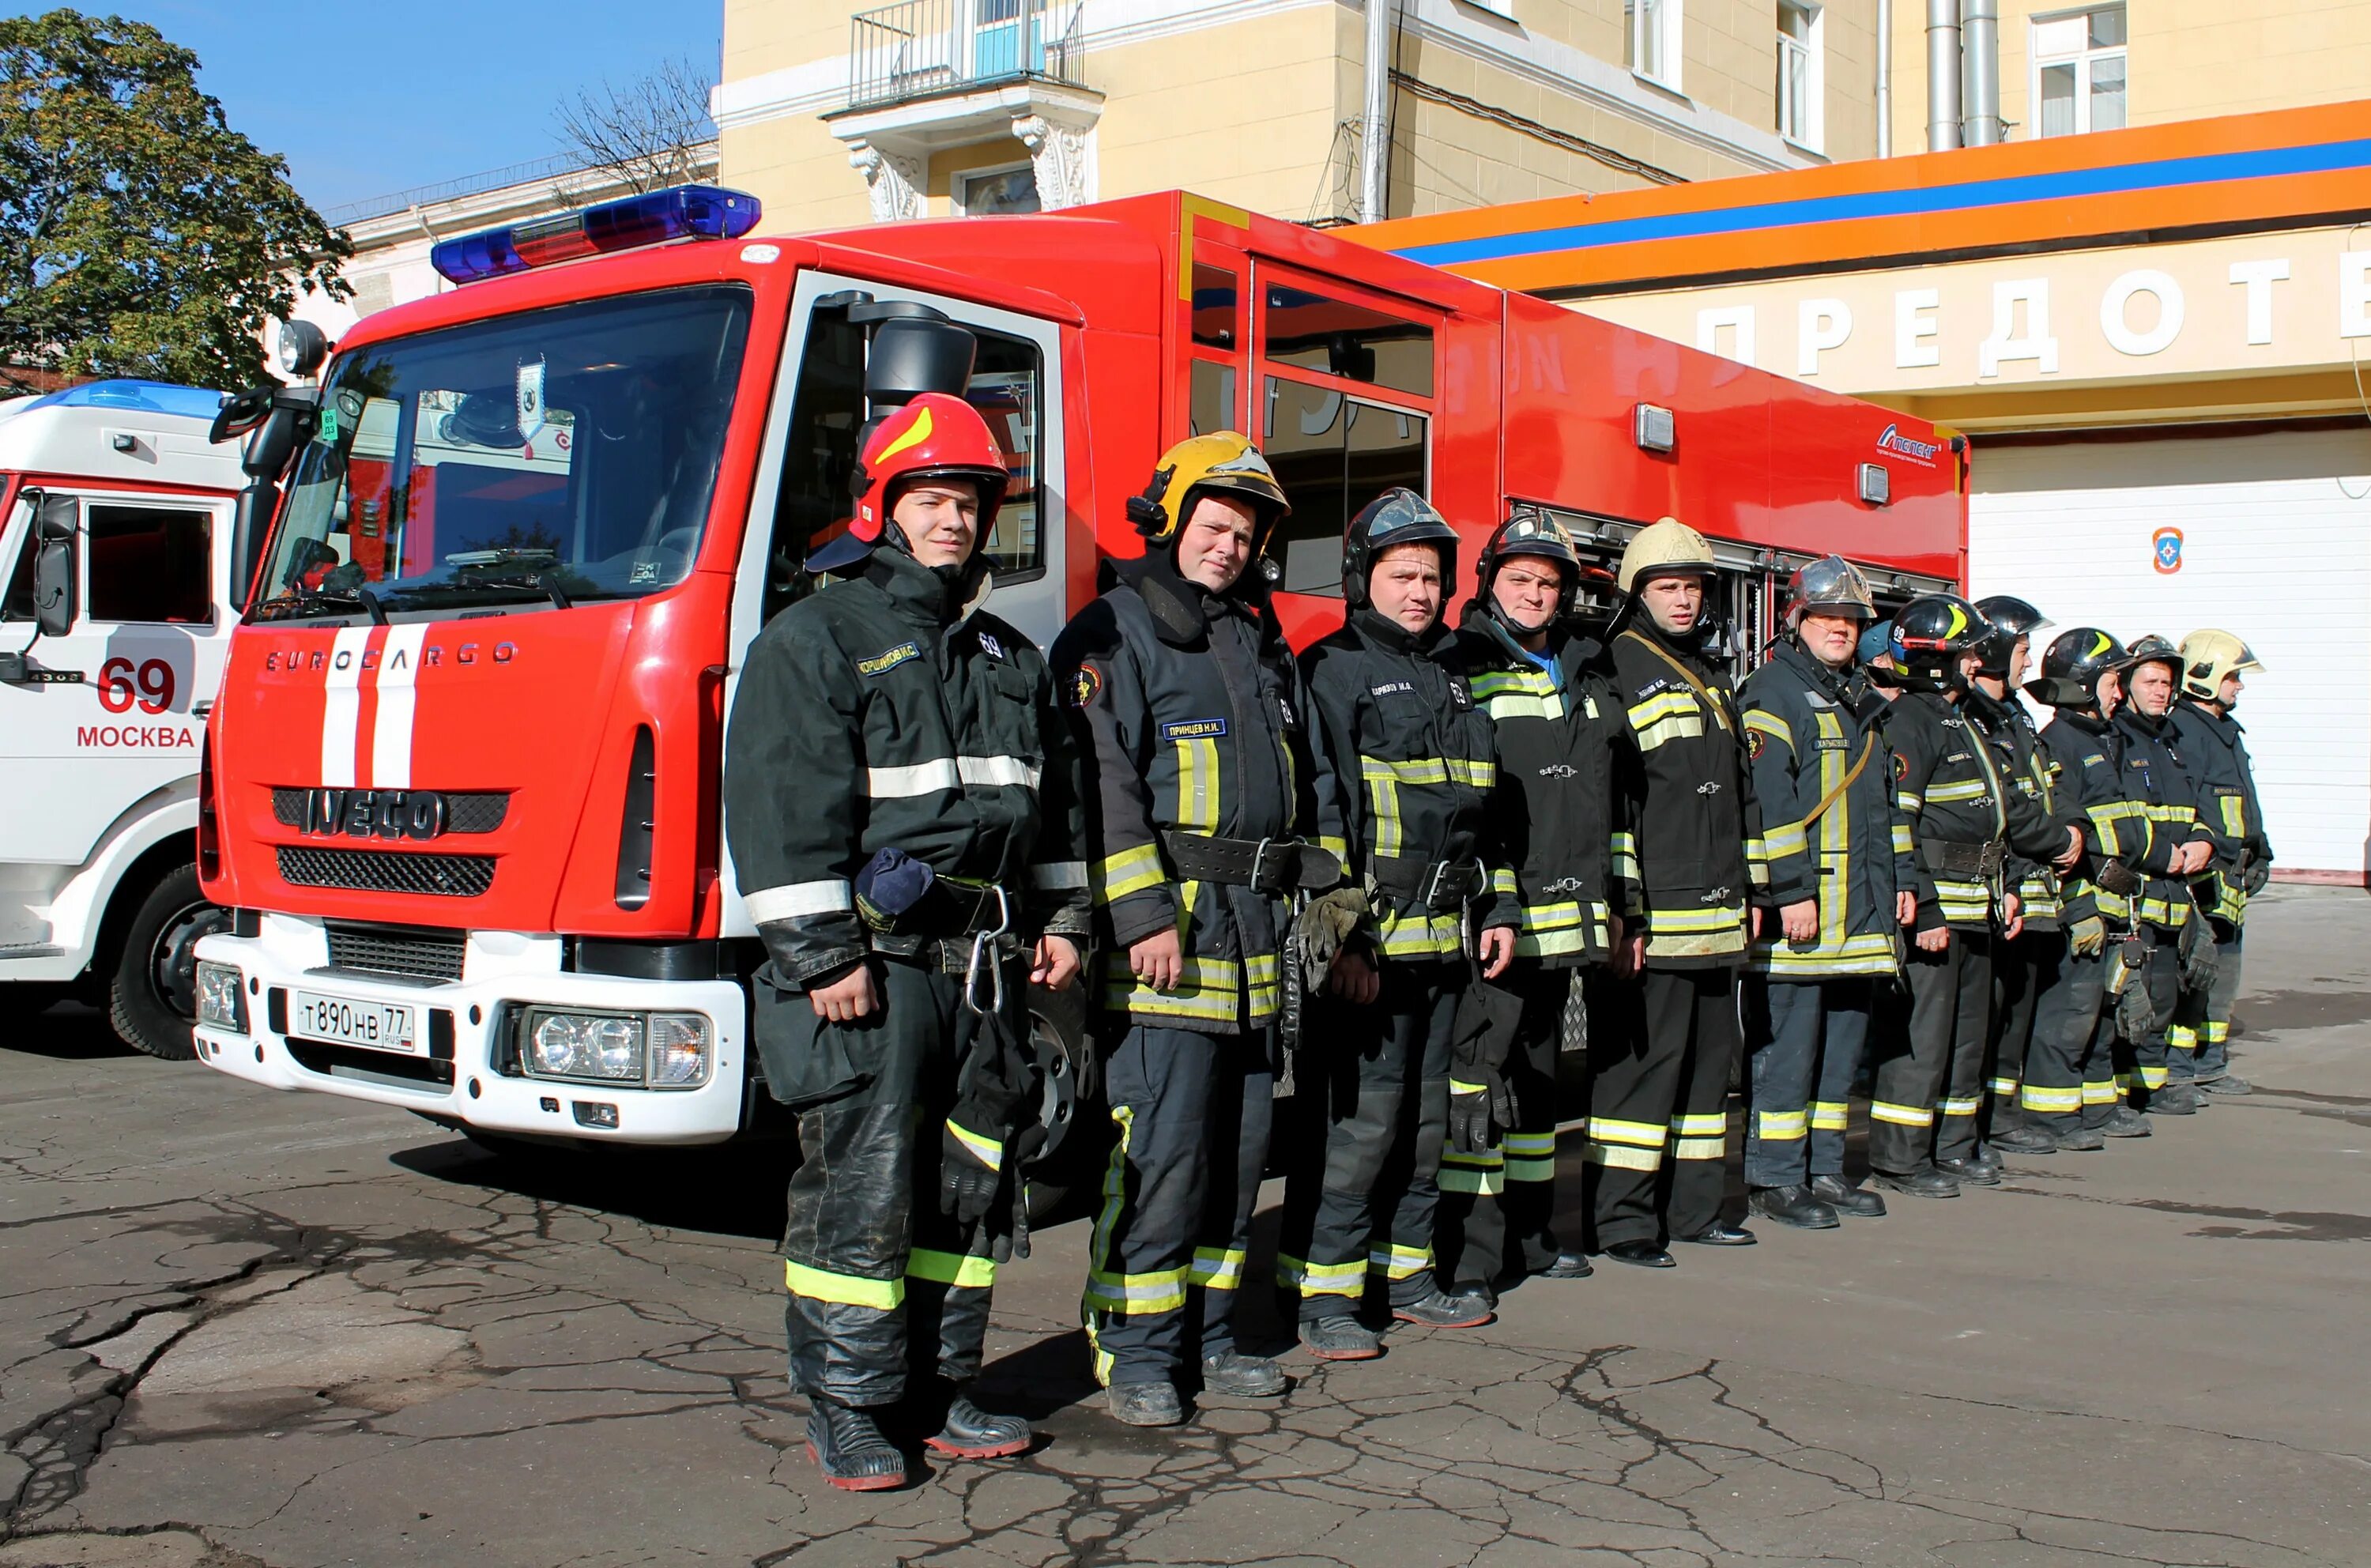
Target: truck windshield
[[560, 454]]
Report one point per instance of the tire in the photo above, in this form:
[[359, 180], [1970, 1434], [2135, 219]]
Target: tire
[[151, 995]]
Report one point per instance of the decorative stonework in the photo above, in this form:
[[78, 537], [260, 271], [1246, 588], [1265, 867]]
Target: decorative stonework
[[1059, 155], [895, 180]]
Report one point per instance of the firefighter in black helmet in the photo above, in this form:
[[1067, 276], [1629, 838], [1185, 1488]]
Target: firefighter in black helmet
[[1832, 897], [2069, 1092], [1189, 713], [2181, 847], [1406, 783], [2211, 742], [1966, 820], [1664, 1036], [2023, 955], [1534, 676]]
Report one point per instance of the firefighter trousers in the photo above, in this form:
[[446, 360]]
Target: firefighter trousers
[[1165, 1262], [880, 1280], [2198, 1046], [2020, 970], [1371, 1117], [2067, 1072], [1660, 1048], [1502, 1201], [2141, 1068], [1928, 1085], [1806, 1039]]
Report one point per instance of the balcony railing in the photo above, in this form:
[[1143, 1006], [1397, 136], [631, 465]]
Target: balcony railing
[[921, 48]]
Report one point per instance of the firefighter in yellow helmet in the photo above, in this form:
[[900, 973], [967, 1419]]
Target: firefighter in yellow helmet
[[1188, 711], [2214, 751]]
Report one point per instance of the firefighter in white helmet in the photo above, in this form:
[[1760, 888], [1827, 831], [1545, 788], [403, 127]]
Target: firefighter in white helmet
[[2212, 748]]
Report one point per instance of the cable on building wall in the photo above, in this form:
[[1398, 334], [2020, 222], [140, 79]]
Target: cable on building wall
[[1528, 127]]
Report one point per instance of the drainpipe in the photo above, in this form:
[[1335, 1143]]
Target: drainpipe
[[1980, 29], [1376, 130], [1942, 74], [1885, 78]]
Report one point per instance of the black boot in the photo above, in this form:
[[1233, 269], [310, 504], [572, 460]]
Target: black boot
[[1238, 1376], [1569, 1265], [2023, 1138], [1145, 1404], [1793, 1205], [1926, 1182], [970, 1433], [2123, 1121], [1970, 1173], [1640, 1254], [1463, 1307], [1847, 1199], [2173, 1100], [1719, 1233], [847, 1446]]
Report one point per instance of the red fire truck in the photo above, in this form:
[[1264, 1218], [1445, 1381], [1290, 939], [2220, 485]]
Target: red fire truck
[[461, 783]]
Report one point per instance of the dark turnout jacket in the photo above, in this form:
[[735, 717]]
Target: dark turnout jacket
[[2214, 751], [2085, 757], [1962, 807], [2155, 778]]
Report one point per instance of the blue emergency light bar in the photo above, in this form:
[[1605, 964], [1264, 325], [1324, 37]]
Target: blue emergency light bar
[[680, 211]]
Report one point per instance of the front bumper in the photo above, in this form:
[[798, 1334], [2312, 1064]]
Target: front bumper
[[505, 970]]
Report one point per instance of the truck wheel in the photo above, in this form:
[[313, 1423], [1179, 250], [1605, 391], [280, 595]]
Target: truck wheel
[[152, 996]]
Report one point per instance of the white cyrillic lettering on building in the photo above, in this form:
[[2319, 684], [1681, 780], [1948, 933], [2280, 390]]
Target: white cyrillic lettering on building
[[2258, 277], [2115, 324], [2355, 294], [1738, 319], [1913, 331], [1821, 325], [2004, 342]]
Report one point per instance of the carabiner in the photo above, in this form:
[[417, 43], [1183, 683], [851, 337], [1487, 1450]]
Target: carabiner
[[983, 951]]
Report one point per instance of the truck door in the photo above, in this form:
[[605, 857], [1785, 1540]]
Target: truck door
[[147, 643]]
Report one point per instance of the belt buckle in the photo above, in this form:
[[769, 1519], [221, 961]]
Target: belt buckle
[[983, 953], [1432, 886]]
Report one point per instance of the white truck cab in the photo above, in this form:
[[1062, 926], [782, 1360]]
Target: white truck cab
[[116, 610]]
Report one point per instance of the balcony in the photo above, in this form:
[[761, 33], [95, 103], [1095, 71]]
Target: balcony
[[924, 49]]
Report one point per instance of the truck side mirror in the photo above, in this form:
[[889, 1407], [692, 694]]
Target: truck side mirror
[[54, 605], [912, 355]]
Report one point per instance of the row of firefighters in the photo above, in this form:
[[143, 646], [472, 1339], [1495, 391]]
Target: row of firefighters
[[1354, 892]]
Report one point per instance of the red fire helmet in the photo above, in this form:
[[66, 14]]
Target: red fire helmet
[[933, 436]]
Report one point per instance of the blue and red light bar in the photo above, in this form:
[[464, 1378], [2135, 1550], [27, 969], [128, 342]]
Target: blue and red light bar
[[680, 211]]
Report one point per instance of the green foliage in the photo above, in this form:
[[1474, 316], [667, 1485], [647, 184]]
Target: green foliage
[[139, 235]]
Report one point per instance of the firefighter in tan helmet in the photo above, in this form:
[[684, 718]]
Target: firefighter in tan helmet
[[2212, 748]]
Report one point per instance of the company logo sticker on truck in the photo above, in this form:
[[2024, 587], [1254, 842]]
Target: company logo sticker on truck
[[1891, 438]]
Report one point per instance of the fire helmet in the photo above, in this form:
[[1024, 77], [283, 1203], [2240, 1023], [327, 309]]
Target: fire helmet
[[1930, 635], [1829, 585], [1876, 642], [1398, 516], [1225, 462], [2072, 666], [1530, 534], [1665, 547], [2207, 656], [2011, 618], [935, 436]]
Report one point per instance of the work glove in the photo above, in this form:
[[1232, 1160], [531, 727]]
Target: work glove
[[1324, 925], [2199, 959], [971, 1168], [2257, 877], [1479, 1110], [1025, 1145], [2087, 936]]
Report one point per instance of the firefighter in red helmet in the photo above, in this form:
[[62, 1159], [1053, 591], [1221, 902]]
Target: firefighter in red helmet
[[901, 806]]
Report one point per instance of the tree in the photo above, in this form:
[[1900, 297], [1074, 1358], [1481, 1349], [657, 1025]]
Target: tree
[[645, 135], [139, 234]]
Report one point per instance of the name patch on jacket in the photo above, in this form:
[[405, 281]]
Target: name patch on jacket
[[1388, 687], [1194, 730], [881, 664]]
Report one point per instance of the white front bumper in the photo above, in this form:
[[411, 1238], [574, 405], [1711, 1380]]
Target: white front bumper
[[504, 970]]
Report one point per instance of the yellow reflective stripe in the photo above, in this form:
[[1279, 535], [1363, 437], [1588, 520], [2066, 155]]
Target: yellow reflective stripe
[[1871, 952], [1697, 1125], [1338, 848], [1482, 1181], [1420, 934], [1909, 802], [1829, 1115], [2153, 1078], [1770, 724], [1901, 1115], [1647, 1135], [2005, 1087], [1099, 1240], [2099, 1091], [1197, 785], [1618, 1157], [1678, 727], [1785, 839], [1206, 988], [1958, 789], [2234, 816], [1903, 843], [1322, 1279], [2216, 1033], [1164, 1290], [960, 1270], [1664, 704], [1717, 917], [1952, 1105], [2057, 1100], [1217, 1268], [1528, 1144], [1782, 1127], [1130, 871], [990, 1152], [1400, 1262], [1531, 1169], [848, 1290], [1699, 1148]]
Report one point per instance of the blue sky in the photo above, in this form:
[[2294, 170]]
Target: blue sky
[[367, 97]]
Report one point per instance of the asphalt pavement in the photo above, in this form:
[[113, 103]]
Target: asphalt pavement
[[242, 1329]]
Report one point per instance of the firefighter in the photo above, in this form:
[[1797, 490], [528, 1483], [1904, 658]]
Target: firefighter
[[1832, 906], [2213, 749], [1408, 777], [1663, 1036], [2069, 1091], [2037, 945], [899, 796], [1554, 718], [2180, 847], [1966, 819], [1186, 703]]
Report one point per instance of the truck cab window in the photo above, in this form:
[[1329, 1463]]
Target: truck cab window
[[17, 603], [1333, 453], [148, 564]]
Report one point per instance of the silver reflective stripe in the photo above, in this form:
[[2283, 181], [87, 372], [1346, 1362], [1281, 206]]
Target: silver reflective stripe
[[1058, 876], [947, 773], [794, 899]]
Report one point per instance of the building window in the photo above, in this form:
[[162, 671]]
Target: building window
[[984, 192], [1654, 40], [1800, 85], [2078, 72]]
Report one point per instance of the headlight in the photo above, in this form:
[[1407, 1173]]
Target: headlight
[[222, 997], [659, 1051]]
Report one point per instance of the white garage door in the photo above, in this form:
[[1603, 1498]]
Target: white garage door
[[2275, 544]]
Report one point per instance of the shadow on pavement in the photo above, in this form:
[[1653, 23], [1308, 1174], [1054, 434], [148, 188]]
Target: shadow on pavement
[[68, 1033], [733, 1191]]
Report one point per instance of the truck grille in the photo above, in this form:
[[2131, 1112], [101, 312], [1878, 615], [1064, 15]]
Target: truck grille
[[416, 952], [476, 811], [387, 870]]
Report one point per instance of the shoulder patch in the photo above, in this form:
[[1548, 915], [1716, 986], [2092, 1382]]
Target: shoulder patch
[[1194, 730], [1754, 741], [1086, 686], [882, 662]]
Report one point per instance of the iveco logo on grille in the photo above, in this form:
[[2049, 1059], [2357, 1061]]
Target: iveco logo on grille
[[374, 813]]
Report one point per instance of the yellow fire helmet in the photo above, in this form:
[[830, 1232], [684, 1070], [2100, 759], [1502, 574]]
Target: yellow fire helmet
[[2207, 656], [1225, 461], [1666, 547]]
